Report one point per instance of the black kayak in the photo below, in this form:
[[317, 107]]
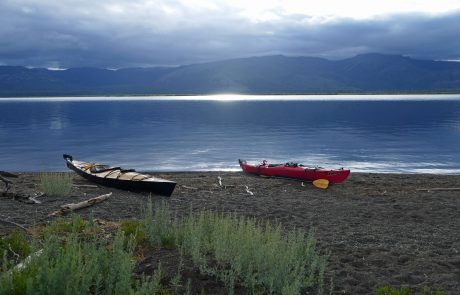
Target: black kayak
[[120, 178]]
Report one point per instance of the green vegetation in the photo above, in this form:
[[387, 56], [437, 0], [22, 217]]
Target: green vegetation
[[240, 250], [159, 226], [404, 290], [134, 229], [14, 248], [82, 257], [74, 256], [56, 184], [78, 264]]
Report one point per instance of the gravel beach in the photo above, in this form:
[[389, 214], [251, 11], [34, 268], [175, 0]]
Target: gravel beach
[[379, 228]]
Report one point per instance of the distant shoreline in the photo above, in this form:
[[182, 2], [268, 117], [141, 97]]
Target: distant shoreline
[[244, 97], [240, 94]]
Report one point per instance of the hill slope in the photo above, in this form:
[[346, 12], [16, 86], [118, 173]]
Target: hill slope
[[257, 75]]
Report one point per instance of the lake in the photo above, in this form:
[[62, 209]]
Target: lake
[[401, 133]]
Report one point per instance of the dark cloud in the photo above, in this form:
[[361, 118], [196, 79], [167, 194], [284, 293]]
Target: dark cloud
[[109, 34]]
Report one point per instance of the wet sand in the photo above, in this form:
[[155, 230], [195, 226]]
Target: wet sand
[[378, 228]]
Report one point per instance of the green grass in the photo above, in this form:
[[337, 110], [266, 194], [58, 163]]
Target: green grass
[[242, 251], [56, 184], [404, 290]]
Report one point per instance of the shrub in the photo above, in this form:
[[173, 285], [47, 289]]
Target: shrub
[[242, 251], [63, 226], [56, 184], [159, 227], [79, 266], [14, 248]]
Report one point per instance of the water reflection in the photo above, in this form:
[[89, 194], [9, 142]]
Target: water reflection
[[379, 136]]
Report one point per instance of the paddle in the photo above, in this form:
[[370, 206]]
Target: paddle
[[321, 183]]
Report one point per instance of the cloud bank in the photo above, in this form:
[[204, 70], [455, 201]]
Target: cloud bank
[[116, 33]]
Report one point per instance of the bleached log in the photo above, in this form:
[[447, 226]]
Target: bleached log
[[27, 260], [75, 206], [85, 185], [248, 191]]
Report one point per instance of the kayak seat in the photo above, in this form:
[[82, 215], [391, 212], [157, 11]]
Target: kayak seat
[[292, 164], [100, 169], [104, 168]]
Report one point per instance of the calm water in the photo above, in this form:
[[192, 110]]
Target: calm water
[[365, 133]]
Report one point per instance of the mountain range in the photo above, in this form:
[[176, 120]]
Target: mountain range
[[367, 73]]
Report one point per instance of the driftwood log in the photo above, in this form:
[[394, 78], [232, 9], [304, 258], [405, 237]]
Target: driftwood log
[[6, 181], [85, 185], [8, 174], [26, 261], [75, 206], [28, 199]]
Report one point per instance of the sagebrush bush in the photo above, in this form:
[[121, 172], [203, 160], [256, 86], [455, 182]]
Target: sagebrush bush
[[14, 247], [159, 226], [56, 184], [79, 265], [240, 250]]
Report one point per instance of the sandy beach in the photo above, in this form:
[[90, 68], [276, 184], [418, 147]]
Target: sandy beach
[[380, 230]]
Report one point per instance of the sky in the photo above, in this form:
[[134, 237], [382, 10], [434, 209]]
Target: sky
[[142, 33]]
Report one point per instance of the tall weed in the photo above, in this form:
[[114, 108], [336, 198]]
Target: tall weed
[[56, 184]]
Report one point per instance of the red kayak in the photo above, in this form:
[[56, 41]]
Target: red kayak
[[294, 170]]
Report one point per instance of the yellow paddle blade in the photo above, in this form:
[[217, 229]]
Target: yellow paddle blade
[[321, 183]]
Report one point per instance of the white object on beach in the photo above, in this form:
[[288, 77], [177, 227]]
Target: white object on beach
[[248, 191]]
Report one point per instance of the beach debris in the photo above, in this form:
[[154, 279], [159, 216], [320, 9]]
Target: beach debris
[[248, 191], [31, 200], [8, 174], [75, 206], [6, 181], [28, 199], [26, 261], [220, 180], [302, 184], [439, 189], [85, 185]]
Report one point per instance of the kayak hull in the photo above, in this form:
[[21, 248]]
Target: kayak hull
[[146, 183], [299, 172]]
